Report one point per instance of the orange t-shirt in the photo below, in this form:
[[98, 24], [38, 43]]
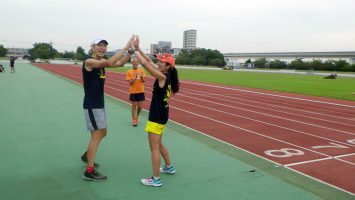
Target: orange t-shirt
[[137, 86]]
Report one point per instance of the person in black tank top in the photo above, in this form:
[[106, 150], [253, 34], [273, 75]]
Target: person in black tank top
[[159, 107], [166, 83], [94, 82], [93, 71]]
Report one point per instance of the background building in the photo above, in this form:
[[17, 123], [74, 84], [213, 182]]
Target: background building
[[17, 52], [164, 46], [153, 49], [161, 47], [190, 37]]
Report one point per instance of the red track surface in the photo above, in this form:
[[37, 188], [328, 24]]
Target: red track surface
[[310, 135]]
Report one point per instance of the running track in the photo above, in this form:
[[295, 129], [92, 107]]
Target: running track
[[312, 136]]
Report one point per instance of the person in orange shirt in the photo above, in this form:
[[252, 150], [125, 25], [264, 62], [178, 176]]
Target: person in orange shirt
[[135, 78]]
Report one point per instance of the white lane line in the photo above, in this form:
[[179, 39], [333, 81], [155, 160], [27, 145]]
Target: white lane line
[[322, 159], [286, 103], [262, 93], [268, 104], [273, 95], [282, 127], [307, 161], [260, 113], [285, 107], [314, 178], [345, 155], [345, 161]]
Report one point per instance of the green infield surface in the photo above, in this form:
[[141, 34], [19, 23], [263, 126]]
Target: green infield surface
[[43, 135], [340, 88]]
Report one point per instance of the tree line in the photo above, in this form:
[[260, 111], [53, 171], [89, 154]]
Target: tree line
[[3, 51], [44, 50], [47, 51], [203, 57], [300, 64]]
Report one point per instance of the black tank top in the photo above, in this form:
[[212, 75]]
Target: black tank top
[[159, 107], [94, 82]]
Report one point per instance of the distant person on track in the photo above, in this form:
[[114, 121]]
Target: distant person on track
[[2, 69], [12, 64], [166, 83], [93, 71], [135, 78]]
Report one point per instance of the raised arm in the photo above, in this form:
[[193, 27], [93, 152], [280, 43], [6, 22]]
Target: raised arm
[[146, 57], [151, 68], [122, 61], [113, 61], [148, 64]]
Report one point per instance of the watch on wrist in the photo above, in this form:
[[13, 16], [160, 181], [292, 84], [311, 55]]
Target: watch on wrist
[[131, 51]]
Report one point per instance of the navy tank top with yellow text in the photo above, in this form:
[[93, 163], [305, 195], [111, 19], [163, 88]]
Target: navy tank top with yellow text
[[94, 82], [159, 107]]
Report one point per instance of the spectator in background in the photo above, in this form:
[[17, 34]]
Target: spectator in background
[[135, 78], [12, 64]]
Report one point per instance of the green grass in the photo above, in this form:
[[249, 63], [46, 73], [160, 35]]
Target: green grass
[[340, 88]]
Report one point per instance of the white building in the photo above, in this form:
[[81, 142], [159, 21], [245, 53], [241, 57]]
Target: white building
[[190, 37]]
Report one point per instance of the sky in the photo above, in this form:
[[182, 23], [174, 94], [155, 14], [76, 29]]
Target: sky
[[230, 26]]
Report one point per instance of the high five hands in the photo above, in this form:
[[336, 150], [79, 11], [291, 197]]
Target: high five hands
[[134, 42]]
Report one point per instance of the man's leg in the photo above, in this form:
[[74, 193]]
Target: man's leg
[[96, 137], [90, 173]]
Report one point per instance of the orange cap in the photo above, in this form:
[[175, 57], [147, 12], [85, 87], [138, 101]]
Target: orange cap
[[165, 57]]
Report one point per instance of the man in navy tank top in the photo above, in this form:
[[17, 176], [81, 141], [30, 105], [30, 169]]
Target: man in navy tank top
[[94, 106]]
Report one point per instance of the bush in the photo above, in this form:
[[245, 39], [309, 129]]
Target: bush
[[216, 62], [200, 57], [328, 66], [298, 64], [260, 63], [352, 67], [341, 65], [277, 64], [315, 64]]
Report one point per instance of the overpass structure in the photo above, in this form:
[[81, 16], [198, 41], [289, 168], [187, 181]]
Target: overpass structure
[[289, 56]]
